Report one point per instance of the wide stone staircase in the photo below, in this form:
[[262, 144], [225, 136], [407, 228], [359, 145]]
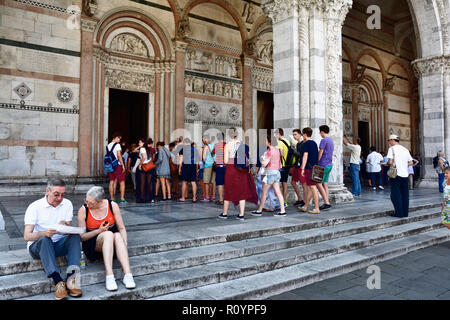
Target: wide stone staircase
[[230, 259]]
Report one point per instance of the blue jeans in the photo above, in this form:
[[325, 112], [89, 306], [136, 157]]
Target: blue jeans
[[400, 196], [46, 250], [441, 181], [356, 184], [374, 177]]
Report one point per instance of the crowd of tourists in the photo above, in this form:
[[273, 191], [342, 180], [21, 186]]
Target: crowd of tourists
[[223, 164]]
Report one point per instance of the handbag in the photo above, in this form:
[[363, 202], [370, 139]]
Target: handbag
[[148, 166], [392, 172], [317, 173]]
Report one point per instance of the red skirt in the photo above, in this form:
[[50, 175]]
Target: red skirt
[[239, 186]]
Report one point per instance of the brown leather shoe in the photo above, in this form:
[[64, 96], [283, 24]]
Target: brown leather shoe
[[73, 288], [60, 291]]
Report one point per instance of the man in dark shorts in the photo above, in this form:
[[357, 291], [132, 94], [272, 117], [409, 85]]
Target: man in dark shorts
[[119, 173], [188, 169], [296, 174], [310, 158], [219, 148], [283, 145]]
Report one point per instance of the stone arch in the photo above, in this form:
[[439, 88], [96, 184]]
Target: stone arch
[[427, 21], [376, 57], [136, 19], [176, 10], [227, 7]]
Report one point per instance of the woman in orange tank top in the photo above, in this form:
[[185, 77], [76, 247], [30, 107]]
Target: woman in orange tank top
[[105, 235]]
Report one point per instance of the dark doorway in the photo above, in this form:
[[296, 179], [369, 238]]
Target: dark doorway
[[265, 110], [363, 132], [128, 114]]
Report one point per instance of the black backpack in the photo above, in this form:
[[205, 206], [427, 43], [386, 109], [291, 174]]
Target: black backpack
[[435, 162]]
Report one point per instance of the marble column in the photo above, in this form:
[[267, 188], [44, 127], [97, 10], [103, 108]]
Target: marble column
[[334, 13], [247, 93], [85, 125], [180, 51], [434, 90], [308, 72], [286, 68]]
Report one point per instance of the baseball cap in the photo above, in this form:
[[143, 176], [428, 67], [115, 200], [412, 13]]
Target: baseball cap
[[393, 137]]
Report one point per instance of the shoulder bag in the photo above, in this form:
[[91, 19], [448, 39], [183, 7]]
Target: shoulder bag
[[392, 172]]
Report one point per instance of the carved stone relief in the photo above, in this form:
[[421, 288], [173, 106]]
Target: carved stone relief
[[363, 114], [265, 53], [129, 44], [213, 87], [199, 60], [249, 13], [130, 80]]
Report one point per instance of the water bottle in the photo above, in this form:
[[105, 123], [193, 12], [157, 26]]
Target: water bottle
[[82, 261]]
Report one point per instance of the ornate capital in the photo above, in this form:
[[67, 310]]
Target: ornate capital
[[279, 10], [183, 28], [336, 9], [89, 7], [429, 66], [88, 25], [180, 46]]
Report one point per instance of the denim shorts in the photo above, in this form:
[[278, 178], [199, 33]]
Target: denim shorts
[[272, 176]]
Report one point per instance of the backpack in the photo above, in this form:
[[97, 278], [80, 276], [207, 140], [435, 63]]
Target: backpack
[[290, 158], [241, 158], [435, 162], [110, 161]]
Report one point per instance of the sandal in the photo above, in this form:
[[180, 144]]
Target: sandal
[[314, 211], [302, 209], [219, 203], [179, 200], [194, 201]]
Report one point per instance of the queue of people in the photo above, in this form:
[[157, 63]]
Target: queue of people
[[225, 165]]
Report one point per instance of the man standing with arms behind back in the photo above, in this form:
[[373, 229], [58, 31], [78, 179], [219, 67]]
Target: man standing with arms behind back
[[326, 149], [46, 244], [401, 158], [355, 149]]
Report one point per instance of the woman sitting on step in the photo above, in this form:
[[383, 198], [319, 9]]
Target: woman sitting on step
[[105, 231]]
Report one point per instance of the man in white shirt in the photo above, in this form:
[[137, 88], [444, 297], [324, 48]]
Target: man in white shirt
[[355, 149], [401, 158], [45, 243], [374, 160]]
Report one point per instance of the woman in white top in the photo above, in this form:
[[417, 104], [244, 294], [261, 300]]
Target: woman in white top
[[146, 177]]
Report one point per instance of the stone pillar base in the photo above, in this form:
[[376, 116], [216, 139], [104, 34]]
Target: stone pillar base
[[339, 194], [428, 183]]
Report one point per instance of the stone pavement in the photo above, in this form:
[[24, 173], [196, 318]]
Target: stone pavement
[[420, 275]]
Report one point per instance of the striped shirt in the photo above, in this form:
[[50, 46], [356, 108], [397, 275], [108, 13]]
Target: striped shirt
[[219, 149]]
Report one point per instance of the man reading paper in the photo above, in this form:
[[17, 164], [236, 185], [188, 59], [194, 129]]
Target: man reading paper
[[45, 243]]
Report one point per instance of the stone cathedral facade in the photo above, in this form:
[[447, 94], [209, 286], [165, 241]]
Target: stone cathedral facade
[[72, 72]]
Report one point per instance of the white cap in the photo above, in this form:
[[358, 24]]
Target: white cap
[[393, 137]]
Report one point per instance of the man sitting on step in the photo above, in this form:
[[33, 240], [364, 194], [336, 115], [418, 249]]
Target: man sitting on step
[[45, 243]]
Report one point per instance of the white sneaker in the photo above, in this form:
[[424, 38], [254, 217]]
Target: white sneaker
[[111, 283], [128, 281], [381, 187]]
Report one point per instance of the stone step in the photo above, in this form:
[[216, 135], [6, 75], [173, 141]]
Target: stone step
[[266, 284], [144, 242], [181, 275]]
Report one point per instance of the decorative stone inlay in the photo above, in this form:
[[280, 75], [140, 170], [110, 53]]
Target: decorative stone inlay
[[64, 94], [129, 44], [128, 80], [49, 108], [434, 65], [22, 90], [192, 109], [214, 110], [234, 113]]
